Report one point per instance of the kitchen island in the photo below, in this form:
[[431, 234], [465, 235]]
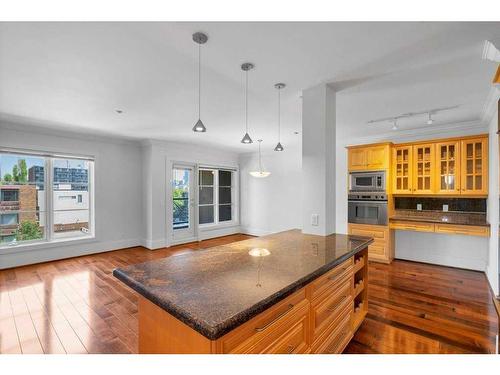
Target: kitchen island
[[284, 293]]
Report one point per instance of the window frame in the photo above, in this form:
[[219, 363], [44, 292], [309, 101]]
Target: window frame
[[215, 203], [49, 240]]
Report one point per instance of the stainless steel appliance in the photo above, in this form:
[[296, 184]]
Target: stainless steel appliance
[[367, 181], [367, 208]]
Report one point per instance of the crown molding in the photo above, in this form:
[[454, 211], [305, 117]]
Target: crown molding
[[18, 123], [490, 105], [422, 133]]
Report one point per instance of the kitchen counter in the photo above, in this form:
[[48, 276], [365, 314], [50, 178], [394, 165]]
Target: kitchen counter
[[457, 218], [216, 290]]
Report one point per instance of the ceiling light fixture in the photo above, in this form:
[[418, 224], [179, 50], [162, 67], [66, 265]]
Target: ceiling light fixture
[[395, 124], [200, 39], [246, 138], [279, 86], [430, 120], [260, 173]]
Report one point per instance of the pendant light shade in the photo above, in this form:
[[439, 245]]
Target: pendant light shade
[[261, 173], [279, 86], [199, 127], [246, 139], [200, 39], [246, 67], [279, 147]]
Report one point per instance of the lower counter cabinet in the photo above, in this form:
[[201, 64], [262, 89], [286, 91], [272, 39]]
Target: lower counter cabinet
[[382, 248], [322, 317]]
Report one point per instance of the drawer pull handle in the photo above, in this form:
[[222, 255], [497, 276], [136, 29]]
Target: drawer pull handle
[[260, 329], [291, 348], [333, 308]]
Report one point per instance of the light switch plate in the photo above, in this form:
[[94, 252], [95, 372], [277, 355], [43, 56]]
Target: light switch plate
[[445, 207], [315, 220], [419, 206]]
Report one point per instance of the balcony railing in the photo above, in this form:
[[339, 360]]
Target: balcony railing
[[181, 213], [9, 205]]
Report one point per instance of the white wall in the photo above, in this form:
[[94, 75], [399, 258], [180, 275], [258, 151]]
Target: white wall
[[157, 159], [493, 207], [117, 191], [274, 203], [318, 159]]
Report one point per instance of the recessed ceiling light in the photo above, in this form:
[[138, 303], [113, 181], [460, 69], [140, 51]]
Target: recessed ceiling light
[[119, 111]]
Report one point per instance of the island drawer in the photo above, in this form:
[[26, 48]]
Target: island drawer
[[266, 328], [318, 288], [331, 308], [293, 341], [337, 336]]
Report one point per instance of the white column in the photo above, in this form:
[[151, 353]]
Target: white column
[[318, 159]]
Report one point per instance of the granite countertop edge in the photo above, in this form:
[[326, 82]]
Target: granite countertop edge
[[215, 332], [431, 220]]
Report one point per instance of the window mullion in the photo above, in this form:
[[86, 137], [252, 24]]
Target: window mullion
[[49, 211]]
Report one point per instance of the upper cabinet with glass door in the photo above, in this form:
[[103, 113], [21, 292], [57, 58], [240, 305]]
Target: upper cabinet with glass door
[[423, 169], [474, 167], [457, 166], [402, 169], [448, 168]]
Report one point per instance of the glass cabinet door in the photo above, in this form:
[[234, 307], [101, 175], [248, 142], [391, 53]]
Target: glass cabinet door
[[474, 167], [423, 169], [402, 162], [448, 167]]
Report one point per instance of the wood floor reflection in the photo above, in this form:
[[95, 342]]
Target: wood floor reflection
[[77, 306]]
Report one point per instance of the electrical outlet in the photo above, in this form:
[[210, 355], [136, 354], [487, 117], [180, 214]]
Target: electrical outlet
[[445, 207], [315, 220], [419, 206]]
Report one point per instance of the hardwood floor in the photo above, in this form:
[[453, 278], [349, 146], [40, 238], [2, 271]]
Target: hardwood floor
[[422, 308], [77, 306]]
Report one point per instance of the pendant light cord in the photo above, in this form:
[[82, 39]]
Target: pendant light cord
[[246, 101], [199, 81], [260, 158], [279, 115]]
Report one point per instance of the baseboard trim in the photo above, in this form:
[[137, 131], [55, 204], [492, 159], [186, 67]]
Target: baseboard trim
[[255, 231], [64, 252]]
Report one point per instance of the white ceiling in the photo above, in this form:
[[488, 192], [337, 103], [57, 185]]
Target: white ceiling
[[74, 75]]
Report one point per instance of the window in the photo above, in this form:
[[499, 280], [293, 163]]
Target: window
[[206, 196], [44, 198], [216, 196]]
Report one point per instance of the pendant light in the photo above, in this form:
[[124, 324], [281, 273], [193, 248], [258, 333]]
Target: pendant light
[[200, 39], [246, 67], [260, 173], [279, 86], [395, 124]]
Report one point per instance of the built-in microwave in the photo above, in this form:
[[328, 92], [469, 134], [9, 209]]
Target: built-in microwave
[[367, 181]]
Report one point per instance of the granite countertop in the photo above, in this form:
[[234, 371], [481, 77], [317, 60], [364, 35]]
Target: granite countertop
[[459, 218], [216, 290]]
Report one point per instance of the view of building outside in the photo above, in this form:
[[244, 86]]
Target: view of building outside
[[180, 198], [23, 198]]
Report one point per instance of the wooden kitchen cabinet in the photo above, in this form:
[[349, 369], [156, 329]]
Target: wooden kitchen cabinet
[[369, 157], [382, 247], [423, 168], [402, 157], [474, 166], [448, 168]]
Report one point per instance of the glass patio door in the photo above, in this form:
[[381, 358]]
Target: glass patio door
[[183, 214]]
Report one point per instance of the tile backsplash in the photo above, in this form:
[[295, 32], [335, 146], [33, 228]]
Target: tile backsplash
[[436, 204]]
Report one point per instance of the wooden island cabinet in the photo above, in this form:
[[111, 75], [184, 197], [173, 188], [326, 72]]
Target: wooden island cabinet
[[310, 297]]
